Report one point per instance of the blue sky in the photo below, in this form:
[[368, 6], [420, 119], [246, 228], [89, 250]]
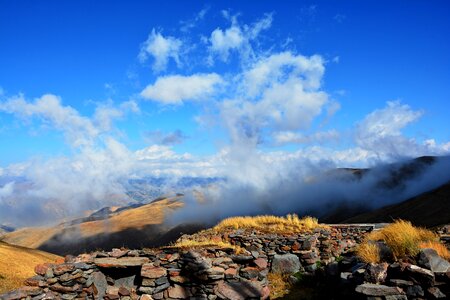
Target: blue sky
[[88, 54]]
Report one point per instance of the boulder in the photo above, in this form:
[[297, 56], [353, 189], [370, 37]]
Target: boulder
[[428, 258], [286, 264], [376, 273]]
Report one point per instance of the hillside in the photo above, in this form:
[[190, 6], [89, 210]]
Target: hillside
[[17, 264], [428, 209], [135, 226]]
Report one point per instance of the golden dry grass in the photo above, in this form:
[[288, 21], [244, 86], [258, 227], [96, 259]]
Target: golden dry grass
[[137, 218], [369, 252], [289, 224], [401, 237], [32, 237], [149, 214], [17, 264], [193, 244], [279, 285], [440, 248]]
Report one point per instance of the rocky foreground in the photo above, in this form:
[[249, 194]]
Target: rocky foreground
[[218, 272]]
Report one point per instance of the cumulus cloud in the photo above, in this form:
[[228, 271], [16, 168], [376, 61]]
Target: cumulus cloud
[[78, 130], [380, 132], [236, 38], [161, 49], [281, 92], [177, 88]]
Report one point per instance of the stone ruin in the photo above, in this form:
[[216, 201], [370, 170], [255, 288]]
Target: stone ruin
[[220, 273]]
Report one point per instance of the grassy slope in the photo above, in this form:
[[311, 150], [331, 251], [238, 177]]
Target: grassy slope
[[428, 209], [135, 218], [17, 264]]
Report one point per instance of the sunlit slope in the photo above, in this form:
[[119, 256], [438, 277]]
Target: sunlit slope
[[118, 221], [17, 264]]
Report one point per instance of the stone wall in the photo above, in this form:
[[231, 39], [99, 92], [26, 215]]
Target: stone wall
[[207, 273]]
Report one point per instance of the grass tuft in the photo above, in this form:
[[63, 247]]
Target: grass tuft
[[205, 243], [284, 225], [279, 285], [402, 238], [369, 252]]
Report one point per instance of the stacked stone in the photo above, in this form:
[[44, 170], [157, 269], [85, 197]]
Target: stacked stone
[[212, 273], [150, 274]]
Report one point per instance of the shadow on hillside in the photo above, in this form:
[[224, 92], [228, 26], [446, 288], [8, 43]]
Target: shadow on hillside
[[70, 241]]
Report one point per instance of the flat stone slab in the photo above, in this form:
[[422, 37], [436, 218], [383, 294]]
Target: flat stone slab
[[152, 272], [241, 290], [124, 262], [370, 289]]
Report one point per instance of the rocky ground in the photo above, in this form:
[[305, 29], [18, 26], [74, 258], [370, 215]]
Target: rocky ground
[[324, 257]]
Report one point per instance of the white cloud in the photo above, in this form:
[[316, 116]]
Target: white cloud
[[162, 49], [289, 137], [177, 88], [6, 190], [381, 133], [236, 38], [78, 130], [224, 41], [186, 26], [277, 93]]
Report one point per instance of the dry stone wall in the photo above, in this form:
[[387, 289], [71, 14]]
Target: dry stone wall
[[207, 273]]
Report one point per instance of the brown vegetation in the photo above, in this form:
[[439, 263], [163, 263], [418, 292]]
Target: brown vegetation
[[402, 238], [283, 225], [17, 264], [279, 285], [134, 218]]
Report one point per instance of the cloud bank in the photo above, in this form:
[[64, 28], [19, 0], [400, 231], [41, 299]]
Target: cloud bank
[[267, 102]]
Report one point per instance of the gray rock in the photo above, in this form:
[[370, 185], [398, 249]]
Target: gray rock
[[414, 291], [400, 282], [420, 274], [396, 297], [370, 289], [436, 293], [332, 269], [428, 258], [240, 290], [376, 273], [110, 262], [286, 264], [100, 284]]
